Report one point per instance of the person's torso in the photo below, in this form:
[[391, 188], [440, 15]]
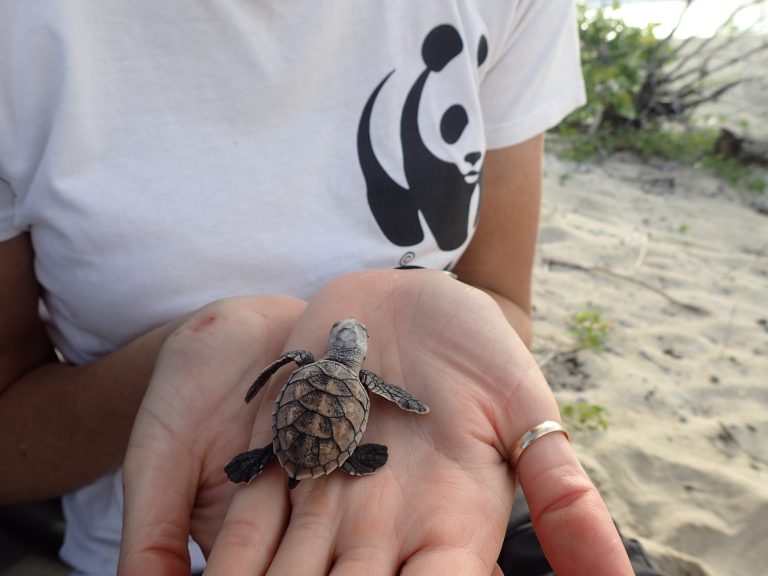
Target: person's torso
[[167, 154]]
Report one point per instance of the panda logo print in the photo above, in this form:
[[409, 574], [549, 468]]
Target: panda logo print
[[439, 190]]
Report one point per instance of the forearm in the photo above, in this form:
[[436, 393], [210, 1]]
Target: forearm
[[499, 259], [63, 426]]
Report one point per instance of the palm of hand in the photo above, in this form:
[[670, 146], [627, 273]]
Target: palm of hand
[[444, 496]]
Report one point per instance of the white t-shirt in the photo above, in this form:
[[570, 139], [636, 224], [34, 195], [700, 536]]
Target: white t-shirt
[[166, 154]]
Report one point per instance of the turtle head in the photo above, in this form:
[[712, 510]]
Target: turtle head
[[348, 343]]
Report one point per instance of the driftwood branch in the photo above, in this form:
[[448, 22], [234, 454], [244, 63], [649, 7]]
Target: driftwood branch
[[744, 149], [680, 76], [714, 95], [704, 69], [663, 60], [702, 47]]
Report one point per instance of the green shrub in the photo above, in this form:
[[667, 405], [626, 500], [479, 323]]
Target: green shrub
[[590, 330], [614, 62], [583, 415], [641, 93]]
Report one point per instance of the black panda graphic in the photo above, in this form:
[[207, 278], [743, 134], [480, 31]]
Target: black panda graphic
[[436, 188]]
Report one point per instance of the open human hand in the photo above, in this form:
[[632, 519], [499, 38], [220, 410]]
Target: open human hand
[[441, 503]]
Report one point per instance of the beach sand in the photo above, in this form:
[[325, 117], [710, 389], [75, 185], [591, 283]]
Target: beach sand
[[676, 262]]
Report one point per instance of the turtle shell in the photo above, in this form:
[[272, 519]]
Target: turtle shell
[[319, 418]]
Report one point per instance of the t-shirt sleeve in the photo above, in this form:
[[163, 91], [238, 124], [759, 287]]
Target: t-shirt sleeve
[[8, 228], [535, 80]]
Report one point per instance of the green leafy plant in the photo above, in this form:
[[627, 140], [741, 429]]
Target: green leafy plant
[[614, 62], [590, 330], [583, 415], [642, 91]]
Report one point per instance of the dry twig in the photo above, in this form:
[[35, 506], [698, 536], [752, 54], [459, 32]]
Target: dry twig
[[608, 272]]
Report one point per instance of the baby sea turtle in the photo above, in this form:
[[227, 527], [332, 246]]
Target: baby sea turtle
[[321, 412]]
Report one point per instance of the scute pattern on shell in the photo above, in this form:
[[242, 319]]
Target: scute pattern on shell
[[319, 417]]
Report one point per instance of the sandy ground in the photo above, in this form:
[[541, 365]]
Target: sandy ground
[[677, 264]]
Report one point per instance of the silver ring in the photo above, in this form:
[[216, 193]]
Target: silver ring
[[534, 434]]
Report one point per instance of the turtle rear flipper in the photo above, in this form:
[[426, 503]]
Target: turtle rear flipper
[[366, 459], [247, 465], [393, 393]]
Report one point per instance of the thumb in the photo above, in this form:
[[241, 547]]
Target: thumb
[[190, 386], [570, 518], [156, 523]]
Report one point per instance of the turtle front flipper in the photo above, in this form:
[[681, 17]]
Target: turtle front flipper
[[393, 393], [301, 357], [366, 459], [247, 465]]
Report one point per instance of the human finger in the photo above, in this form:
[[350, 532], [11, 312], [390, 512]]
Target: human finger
[[156, 524], [159, 483], [307, 544], [570, 518], [369, 543], [368, 559], [439, 561], [253, 526]]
